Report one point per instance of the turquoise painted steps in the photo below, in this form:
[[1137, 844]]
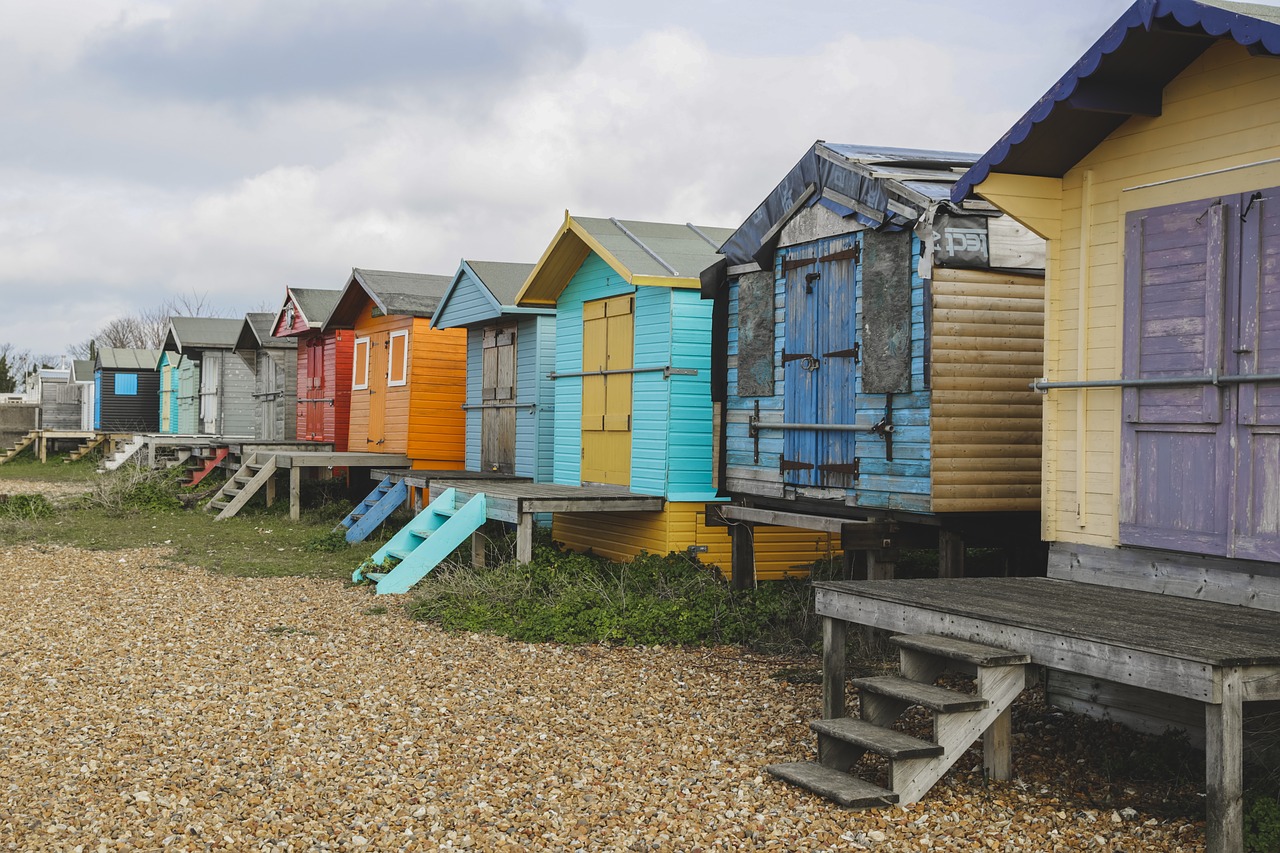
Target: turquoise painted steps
[[425, 541], [374, 509]]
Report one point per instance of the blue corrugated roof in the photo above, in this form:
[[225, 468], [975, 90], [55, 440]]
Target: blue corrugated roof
[[1138, 56]]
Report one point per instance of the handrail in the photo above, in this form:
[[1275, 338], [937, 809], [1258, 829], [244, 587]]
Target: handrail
[[1042, 385], [667, 372]]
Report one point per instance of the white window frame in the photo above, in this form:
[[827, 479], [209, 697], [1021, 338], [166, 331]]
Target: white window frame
[[355, 361], [392, 382]]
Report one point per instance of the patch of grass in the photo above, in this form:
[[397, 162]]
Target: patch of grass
[[576, 598], [27, 467], [1262, 824], [25, 507], [133, 488], [328, 542]]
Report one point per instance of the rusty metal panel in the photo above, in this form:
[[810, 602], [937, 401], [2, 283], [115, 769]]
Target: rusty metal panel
[[886, 312], [755, 334]]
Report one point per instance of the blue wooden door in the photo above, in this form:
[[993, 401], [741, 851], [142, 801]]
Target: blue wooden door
[[820, 363], [1201, 466]]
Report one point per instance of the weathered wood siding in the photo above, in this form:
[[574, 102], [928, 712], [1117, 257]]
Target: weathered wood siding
[[780, 552], [1218, 114], [188, 397], [987, 349], [535, 426], [423, 418], [59, 405], [903, 483], [275, 394]]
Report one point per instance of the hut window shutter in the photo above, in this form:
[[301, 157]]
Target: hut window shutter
[[126, 385], [398, 358], [360, 364]]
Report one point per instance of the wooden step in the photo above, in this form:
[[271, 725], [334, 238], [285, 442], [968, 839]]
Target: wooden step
[[934, 698], [841, 787], [960, 650], [876, 739], [219, 504]]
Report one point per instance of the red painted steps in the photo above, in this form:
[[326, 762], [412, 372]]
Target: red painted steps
[[209, 463]]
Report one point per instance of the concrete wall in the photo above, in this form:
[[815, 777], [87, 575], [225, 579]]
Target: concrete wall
[[16, 420]]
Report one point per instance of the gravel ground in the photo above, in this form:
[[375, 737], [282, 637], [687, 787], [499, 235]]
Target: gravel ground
[[51, 490], [150, 708]]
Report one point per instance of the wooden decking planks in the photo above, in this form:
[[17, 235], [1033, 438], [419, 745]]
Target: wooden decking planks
[[511, 498]]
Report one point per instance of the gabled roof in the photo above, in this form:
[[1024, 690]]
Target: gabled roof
[[312, 304], [871, 186], [255, 334], [643, 253], [405, 294], [117, 358], [1122, 75], [202, 333], [496, 282]]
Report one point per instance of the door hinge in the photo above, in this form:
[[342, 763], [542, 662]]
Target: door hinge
[[696, 549], [854, 468], [785, 465], [854, 352]]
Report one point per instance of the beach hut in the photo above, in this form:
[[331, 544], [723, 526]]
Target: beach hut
[[408, 380], [169, 388], [275, 375], [510, 354], [82, 374], [874, 349], [59, 399], [1151, 169], [127, 390], [226, 382], [323, 365]]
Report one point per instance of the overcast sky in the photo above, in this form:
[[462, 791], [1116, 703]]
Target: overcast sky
[[225, 149]]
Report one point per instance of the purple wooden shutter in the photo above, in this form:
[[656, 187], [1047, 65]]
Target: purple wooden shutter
[[1175, 480], [1257, 351]]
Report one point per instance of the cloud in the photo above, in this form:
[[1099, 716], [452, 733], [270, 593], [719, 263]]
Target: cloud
[[220, 50]]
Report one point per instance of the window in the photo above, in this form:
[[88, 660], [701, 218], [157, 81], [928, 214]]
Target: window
[[360, 364], [126, 384], [398, 358]]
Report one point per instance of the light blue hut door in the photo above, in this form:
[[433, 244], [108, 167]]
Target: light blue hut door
[[819, 364]]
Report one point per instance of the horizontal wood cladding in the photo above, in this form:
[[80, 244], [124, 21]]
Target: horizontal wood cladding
[[780, 552], [987, 349]]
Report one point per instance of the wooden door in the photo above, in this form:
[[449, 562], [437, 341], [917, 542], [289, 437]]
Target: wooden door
[[312, 393], [498, 396], [210, 387], [608, 344], [268, 397], [379, 345], [819, 364], [1201, 468]]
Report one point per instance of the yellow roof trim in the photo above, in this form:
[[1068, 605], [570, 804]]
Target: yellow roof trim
[[552, 273], [666, 281]]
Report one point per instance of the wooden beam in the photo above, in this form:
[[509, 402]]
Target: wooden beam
[[834, 633], [478, 541], [1224, 767], [295, 493], [950, 554], [742, 559], [524, 537]]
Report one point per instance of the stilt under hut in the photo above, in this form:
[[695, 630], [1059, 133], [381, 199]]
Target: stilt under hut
[[874, 348]]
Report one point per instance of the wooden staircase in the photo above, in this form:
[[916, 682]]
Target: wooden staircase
[[202, 466], [123, 452], [85, 448], [424, 542], [255, 473], [20, 445], [374, 509], [915, 765]]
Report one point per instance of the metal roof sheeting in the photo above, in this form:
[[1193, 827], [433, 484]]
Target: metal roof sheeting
[[871, 185], [202, 333], [1152, 43], [657, 248], [503, 280], [117, 358]]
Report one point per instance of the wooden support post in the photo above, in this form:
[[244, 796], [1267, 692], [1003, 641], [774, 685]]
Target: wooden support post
[[855, 564], [295, 492], [44, 447], [1224, 767], [478, 540], [524, 538], [834, 633], [270, 487], [950, 554], [882, 564], [997, 755], [742, 542]]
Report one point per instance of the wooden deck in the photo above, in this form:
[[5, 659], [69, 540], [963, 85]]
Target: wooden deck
[[295, 460], [1219, 655], [519, 502]]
